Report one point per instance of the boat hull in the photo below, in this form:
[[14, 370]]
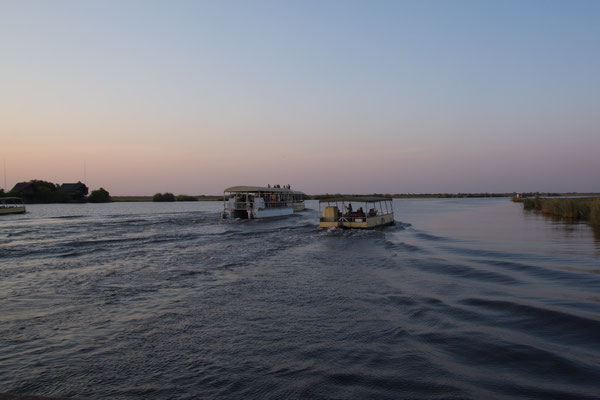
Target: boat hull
[[259, 214], [12, 210], [272, 212]]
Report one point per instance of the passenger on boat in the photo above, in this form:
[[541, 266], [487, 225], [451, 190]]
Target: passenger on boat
[[360, 213], [349, 209], [372, 212]]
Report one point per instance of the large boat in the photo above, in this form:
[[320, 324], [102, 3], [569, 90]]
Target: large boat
[[255, 202], [11, 205], [347, 212]]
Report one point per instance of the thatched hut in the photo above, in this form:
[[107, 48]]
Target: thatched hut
[[74, 191]]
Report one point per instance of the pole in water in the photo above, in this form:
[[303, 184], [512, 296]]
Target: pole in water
[[5, 188]]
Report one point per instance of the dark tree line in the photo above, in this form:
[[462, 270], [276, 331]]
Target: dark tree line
[[39, 191]]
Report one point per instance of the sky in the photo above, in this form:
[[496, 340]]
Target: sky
[[192, 97]]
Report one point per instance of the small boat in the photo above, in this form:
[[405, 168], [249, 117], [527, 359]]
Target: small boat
[[339, 212], [256, 202], [11, 205]]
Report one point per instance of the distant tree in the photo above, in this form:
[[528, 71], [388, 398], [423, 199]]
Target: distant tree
[[99, 196], [46, 194], [52, 187], [163, 197], [185, 197], [1, 192]]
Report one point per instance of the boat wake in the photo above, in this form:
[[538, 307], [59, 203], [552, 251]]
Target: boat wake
[[183, 305]]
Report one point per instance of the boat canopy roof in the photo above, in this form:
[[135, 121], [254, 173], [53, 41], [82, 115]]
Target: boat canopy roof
[[356, 199], [249, 189]]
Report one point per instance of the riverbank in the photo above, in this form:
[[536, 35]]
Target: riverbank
[[149, 198], [391, 196], [576, 209], [453, 195]]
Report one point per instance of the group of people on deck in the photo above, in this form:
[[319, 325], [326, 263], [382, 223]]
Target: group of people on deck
[[279, 186], [274, 200], [359, 213]]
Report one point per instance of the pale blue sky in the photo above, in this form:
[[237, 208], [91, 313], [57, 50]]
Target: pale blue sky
[[331, 96]]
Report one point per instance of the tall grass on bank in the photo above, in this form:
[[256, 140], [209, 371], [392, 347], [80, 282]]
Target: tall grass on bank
[[576, 209]]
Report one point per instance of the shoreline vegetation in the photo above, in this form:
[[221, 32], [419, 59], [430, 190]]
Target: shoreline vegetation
[[584, 209], [38, 191], [429, 195], [166, 197], [169, 196]]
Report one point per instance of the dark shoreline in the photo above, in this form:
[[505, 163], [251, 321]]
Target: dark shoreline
[[121, 199], [392, 196]]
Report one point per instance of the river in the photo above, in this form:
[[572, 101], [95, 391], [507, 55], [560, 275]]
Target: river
[[462, 298]]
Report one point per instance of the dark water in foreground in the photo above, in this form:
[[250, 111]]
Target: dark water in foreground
[[463, 298]]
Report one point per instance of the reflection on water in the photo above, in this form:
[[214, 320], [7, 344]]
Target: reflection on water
[[573, 230], [462, 298], [596, 230]]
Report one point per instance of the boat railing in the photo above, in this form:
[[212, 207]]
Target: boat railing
[[243, 205], [352, 217], [278, 204], [11, 203]]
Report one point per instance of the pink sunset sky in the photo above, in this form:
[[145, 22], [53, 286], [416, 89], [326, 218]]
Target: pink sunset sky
[[330, 97]]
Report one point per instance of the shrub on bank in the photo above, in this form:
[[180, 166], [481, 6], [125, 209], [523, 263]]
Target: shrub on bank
[[99, 196], [185, 197], [532, 204], [595, 213], [163, 197]]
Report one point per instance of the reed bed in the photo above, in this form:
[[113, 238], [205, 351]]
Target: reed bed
[[575, 209]]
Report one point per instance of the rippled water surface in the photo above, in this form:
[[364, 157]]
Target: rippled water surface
[[462, 298]]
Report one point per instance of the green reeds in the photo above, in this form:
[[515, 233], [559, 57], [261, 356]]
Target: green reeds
[[595, 213], [580, 209]]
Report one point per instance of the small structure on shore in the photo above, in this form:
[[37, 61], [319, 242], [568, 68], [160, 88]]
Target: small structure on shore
[[74, 191], [26, 190]]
